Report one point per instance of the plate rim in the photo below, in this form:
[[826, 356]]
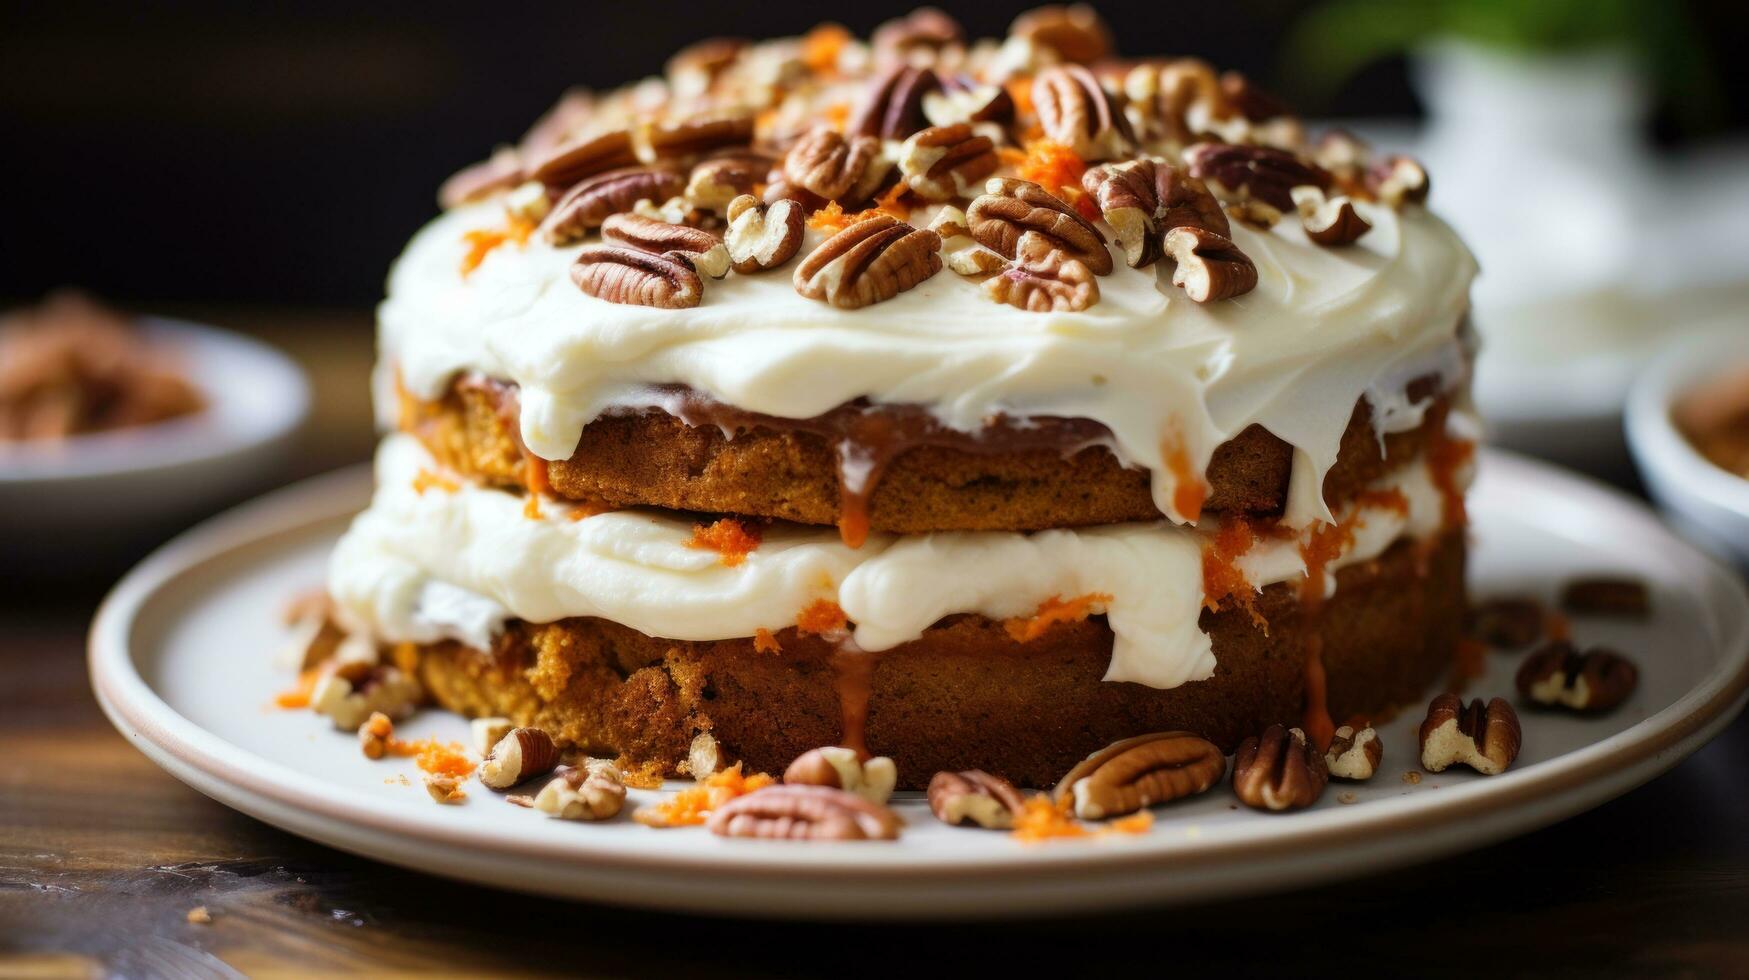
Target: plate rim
[[139, 712]]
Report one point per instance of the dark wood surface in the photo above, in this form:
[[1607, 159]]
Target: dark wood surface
[[102, 855]]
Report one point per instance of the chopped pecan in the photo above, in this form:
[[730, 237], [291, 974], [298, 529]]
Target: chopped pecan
[[945, 162], [1077, 111], [484, 733], [918, 38], [1329, 221], [840, 768], [761, 238], [585, 206], [583, 156], [1075, 32], [692, 136], [1398, 180], [374, 735], [638, 278], [892, 106], [1253, 173], [827, 165], [1210, 266], [521, 755], [719, 179], [1346, 157], [1484, 737], [348, 694], [975, 796], [444, 787], [804, 813], [964, 255], [1144, 199], [962, 99], [1139, 772], [1559, 675], [594, 790], [1354, 755], [694, 68], [871, 261], [1624, 597], [1508, 622], [1044, 280], [1278, 771], [699, 247], [1010, 208], [499, 172]]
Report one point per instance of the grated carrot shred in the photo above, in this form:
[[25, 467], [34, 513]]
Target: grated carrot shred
[[822, 616], [1190, 491], [1020, 90], [1041, 819], [482, 241], [822, 46], [837, 115], [426, 479], [732, 540], [432, 756], [299, 695], [690, 806], [1025, 629]]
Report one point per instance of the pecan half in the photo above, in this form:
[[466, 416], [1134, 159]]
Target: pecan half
[[1278, 771], [962, 99], [1399, 180], [588, 204], [1144, 199], [699, 247], [1164, 96], [637, 278], [1484, 737], [804, 813], [829, 166], [1558, 675], [918, 38], [869, 262], [1139, 772], [1354, 755], [1075, 32], [1624, 597], [1043, 280], [1210, 266], [692, 136], [974, 796], [964, 255], [1329, 221], [1253, 173], [594, 790], [1010, 208], [499, 172], [717, 180], [1507, 622], [892, 107], [946, 162], [761, 238], [1077, 111], [582, 156], [840, 768], [521, 755]]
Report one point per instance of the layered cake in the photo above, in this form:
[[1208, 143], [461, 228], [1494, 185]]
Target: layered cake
[[971, 403]]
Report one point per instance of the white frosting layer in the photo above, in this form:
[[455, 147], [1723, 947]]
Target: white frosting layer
[[1323, 327], [420, 566]]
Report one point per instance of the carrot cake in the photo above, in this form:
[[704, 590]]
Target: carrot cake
[[973, 403]]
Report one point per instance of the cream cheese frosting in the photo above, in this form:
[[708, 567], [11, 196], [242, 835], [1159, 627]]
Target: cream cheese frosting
[[422, 565], [1323, 328]]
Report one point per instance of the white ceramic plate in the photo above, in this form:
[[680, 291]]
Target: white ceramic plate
[[182, 660]]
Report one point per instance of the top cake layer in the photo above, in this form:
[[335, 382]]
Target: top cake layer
[[1132, 332]]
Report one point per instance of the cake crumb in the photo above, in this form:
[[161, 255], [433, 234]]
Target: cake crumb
[[199, 916], [1412, 777], [1024, 629], [731, 539], [521, 800], [822, 616], [1346, 798], [765, 642]]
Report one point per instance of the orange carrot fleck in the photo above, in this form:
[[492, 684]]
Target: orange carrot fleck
[[729, 538], [1024, 629], [822, 616]]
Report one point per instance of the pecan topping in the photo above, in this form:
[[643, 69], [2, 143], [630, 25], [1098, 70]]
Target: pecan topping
[[1398, 180], [1010, 208], [630, 276], [1165, 96], [1559, 675], [1329, 221], [1278, 771], [717, 180], [1210, 266], [699, 247], [499, 172], [804, 813], [595, 790], [1139, 772], [1250, 99], [839, 768], [1144, 199], [1077, 111], [873, 260], [692, 136], [1044, 280], [1509, 623], [918, 38], [1623, 597], [964, 100], [825, 164], [693, 68], [975, 796], [1076, 32], [583, 156], [1354, 755], [585, 206], [964, 255], [1253, 173], [521, 755], [945, 162], [1484, 737], [1344, 155], [761, 238], [892, 108]]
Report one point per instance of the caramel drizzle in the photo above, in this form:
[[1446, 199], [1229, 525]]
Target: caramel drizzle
[[854, 669]]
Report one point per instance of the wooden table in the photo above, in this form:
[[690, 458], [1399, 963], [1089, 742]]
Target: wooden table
[[102, 856]]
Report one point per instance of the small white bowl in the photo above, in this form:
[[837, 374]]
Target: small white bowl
[[1704, 501], [105, 490]]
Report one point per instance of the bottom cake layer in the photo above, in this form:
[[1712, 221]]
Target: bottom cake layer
[[966, 695]]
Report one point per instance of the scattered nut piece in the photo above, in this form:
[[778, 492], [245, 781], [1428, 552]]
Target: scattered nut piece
[[1558, 675], [761, 237], [521, 755], [1078, 112], [483, 733], [840, 768], [1210, 266], [1354, 755], [528, 203], [1398, 180], [1507, 622], [1347, 798], [630, 276], [716, 182], [1043, 280], [942, 163], [704, 757], [699, 247], [444, 788], [199, 916], [1139, 772], [520, 799], [584, 207], [1484, 737], [595, 790], [1329, 221], [1075, 32], [797, 812], [975, 796], [962, 100], [964, 255], [1253, 173], [349, 696], [1602, 596], [374, 735], [1010, 208], [1144, 199], [871, 261], [1278, 771], [1412, 777]]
